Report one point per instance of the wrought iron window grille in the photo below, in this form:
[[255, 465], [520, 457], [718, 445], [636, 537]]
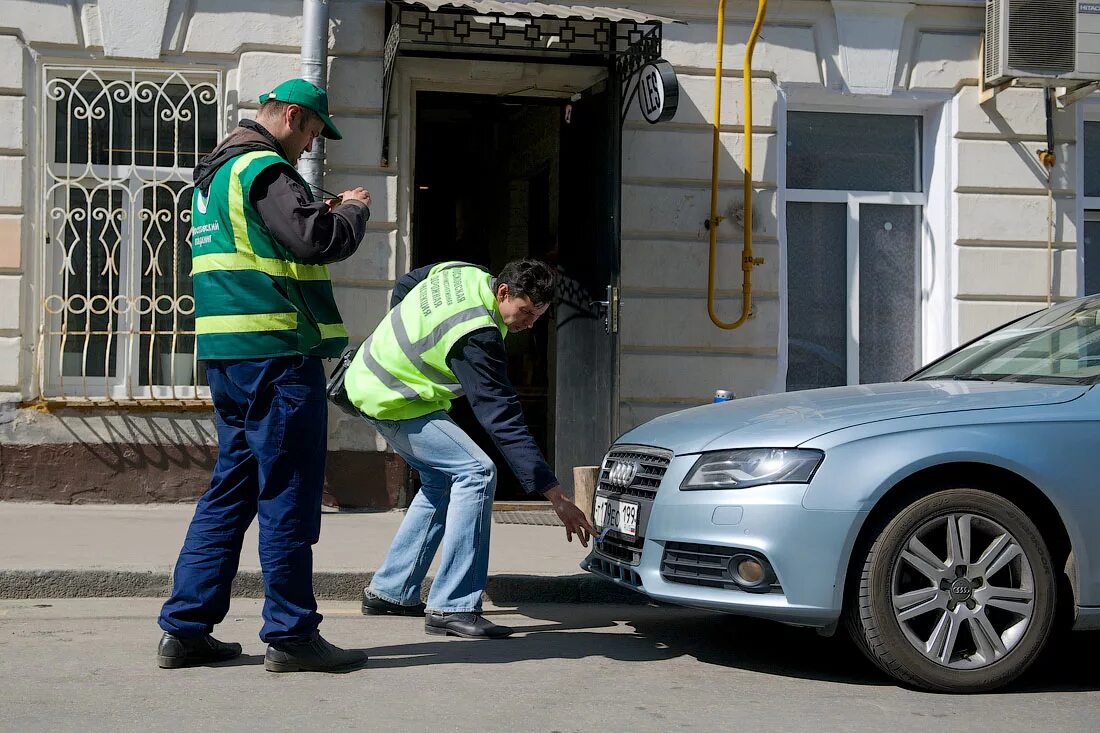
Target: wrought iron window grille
[[117, 311]]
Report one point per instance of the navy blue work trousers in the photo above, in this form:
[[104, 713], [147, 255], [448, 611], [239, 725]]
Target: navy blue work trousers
[[272, 422]]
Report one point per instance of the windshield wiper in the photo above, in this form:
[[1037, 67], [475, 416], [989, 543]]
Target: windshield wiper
[[963, 378], [1018, 378]]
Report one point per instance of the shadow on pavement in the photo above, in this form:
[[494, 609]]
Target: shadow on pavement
[[245, 660], [662, 633], [658, 634]]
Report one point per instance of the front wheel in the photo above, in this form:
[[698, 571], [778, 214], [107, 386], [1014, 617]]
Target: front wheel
[[956, 593]]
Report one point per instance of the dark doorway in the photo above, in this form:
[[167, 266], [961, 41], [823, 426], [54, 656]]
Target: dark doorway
[[498, 179]]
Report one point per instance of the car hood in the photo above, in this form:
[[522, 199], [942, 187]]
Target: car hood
[[790, 419]]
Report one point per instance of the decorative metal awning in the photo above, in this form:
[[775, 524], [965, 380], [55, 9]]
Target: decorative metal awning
[[621, 39], [522, 8]]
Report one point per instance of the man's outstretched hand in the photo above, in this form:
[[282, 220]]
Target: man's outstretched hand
[[569, 513]]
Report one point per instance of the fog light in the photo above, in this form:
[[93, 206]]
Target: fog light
[[748, 571]]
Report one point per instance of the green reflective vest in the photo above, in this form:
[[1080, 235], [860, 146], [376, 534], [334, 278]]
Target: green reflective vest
[[253, 299], [401, 371]]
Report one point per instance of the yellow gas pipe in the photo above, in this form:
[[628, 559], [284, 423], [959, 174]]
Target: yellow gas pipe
[[748, 261]]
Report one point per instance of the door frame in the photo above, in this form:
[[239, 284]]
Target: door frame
[[505, 76], [496, 78]]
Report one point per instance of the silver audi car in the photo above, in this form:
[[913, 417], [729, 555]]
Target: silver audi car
[[950, 522]]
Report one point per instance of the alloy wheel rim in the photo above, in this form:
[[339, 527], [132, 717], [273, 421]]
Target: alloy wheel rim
[[963, 591]]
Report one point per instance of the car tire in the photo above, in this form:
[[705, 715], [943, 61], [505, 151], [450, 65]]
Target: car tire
[[973, 622]]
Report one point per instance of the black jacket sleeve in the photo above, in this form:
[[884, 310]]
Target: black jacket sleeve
[[407, 282], [480, 362], [307, 229]]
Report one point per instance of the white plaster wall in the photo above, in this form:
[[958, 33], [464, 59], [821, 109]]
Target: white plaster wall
[[41, 22], [11, 289], [226, 26], [14, 126], [362, 283], [29, 427], [1002, 210]]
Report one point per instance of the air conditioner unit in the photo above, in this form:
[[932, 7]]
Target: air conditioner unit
[[1042, 42]]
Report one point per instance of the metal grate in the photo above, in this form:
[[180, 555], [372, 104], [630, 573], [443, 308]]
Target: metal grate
[[117, 312], [615, 572], [620, 550], [489, 29], [705, 565], [1042, 35], [652, 464], [992, 38]]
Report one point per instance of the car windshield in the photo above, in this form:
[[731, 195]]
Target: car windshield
[[1060, 345]]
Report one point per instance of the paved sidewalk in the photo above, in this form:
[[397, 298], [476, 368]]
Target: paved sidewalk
[[50, 550]]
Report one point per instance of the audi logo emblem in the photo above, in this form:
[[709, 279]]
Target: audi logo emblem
[[622, 474]]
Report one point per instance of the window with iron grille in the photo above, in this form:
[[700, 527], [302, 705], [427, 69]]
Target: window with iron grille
[[119, 146]]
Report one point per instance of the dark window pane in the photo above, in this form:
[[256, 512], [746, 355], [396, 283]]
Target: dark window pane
[[850, 152], [889, 245], [165, 252], [92, 124], [173, 122], [95, 121], [1092, 257], [1092, 159], [818, 305], [88, 238]]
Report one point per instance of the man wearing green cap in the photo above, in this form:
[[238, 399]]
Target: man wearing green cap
[[265, 316]]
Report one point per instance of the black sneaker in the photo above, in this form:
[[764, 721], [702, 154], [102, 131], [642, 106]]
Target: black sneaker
[[375, 606], [469, 625], [177, 651], [313, 654]]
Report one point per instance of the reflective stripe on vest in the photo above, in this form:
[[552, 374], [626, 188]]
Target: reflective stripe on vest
[[401, 371], [332, 330], [266, 265], [414, 352], [252, 323], [285, 306], [245, 258]]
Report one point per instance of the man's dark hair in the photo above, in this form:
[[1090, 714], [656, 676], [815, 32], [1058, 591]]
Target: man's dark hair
[[532, 279], [276, 107]]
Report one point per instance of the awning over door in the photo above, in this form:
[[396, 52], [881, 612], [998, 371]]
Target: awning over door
[[585, 34], [542, 10], [616, 38]]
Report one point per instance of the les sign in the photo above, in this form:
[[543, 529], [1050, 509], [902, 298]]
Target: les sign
[[658, 92]]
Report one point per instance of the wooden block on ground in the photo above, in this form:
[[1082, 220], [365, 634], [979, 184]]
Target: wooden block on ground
[[585, 479]]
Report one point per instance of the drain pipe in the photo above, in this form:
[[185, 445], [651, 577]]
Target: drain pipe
[[748, 260], [315, 14], [1049, 159]]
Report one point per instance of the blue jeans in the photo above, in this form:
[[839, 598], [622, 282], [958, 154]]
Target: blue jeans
[[454, 505], [272, 419]]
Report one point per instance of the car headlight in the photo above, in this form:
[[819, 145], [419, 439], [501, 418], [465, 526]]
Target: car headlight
[[740, 469]]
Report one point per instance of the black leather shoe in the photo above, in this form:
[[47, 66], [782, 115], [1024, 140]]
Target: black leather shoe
[[469, 625], [375, 606], [311, 655], [176, 651]]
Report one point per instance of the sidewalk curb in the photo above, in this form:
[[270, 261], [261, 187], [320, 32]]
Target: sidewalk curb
[[337, 586]]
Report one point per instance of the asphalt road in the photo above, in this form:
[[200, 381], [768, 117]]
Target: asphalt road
[[88, 665]]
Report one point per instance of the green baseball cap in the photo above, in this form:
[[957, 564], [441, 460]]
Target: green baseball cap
[[308, 95]]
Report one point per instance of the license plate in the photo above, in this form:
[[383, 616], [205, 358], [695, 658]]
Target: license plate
[[621, 516]]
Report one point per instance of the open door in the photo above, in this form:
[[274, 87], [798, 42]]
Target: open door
[[501, 178], [587, 255]]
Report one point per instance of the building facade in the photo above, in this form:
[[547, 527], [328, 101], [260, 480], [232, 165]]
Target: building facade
[[897, 216]]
